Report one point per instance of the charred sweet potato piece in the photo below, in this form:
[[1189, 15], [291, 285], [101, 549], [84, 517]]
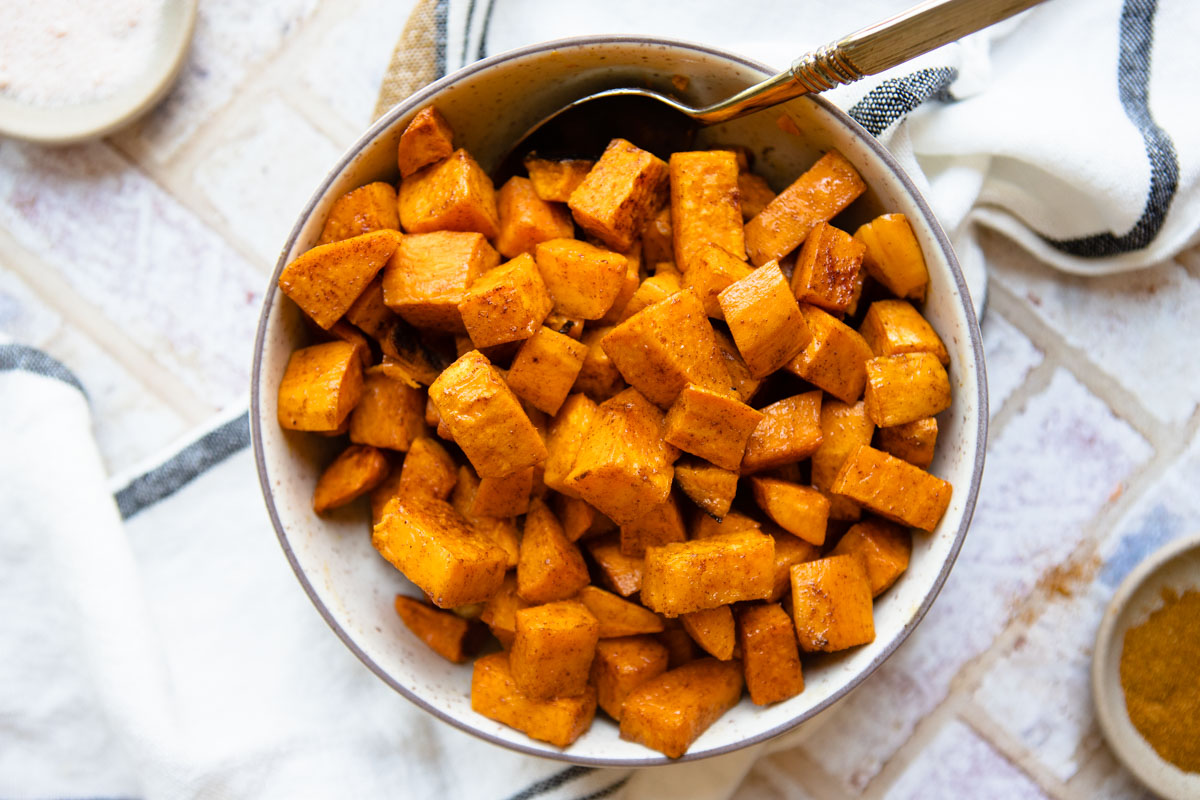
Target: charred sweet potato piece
[[707, 485], [670, 712], [790, 431], [765, 320], [893, 256], [883, 547], [365, 209], [893, 488], [710, 272], [428, 138], [526, 219], [356, 471], [770, 656], [714, 426], [818, 195], [621, 665], [662, 348], [326, 280], [713, 630], [704, 204], [661, 525], [564, 438], [439, 551], [892, 327], [555, 178], [906, 388], [844, 427], [789, 550], [485, 417], [835, 359], [912, 441], [320, 386], [622, 573], [453, 194], [495, 695], [545, 369], [446, 633], [706, 573], [584, 280], [391, 414], [829, 269], [553, 649], [506, 304], [598, 376], [429, 274], [618, 617], [831, 604], [799, 510], [550, 567], [624, 189]]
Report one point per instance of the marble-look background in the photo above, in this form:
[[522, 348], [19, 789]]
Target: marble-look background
[[140, 262]]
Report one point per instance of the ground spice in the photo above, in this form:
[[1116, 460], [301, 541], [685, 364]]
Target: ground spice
[[1160, 675]]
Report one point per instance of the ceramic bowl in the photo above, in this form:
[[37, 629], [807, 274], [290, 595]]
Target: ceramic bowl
[[490, 104]]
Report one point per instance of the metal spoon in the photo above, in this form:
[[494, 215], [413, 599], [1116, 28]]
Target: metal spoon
[[663, 123]]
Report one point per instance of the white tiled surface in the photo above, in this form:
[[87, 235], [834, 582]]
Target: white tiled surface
[[140, 263]]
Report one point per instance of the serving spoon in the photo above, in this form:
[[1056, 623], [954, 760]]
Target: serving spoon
[[661, 123]]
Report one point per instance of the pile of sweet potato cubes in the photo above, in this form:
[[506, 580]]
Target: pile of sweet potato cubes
[[673, 407]]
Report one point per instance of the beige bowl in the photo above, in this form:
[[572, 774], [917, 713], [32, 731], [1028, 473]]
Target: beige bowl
[[490, 104]]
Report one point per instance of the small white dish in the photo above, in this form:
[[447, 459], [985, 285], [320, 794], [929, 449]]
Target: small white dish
[[1176, 566], [67, 124]]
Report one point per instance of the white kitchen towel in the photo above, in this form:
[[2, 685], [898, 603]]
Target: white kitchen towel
[[1072, 128]]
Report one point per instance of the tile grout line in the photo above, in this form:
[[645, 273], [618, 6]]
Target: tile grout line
[[1012, 749]]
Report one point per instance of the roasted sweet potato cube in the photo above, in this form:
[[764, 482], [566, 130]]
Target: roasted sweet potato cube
[[365, 209], [765, 320], [692, 576], [506, 304], [681, 649], [577, 516], [844, 427], [704, 526], [710, 272], [893, 488], [624, 189], [818, 195], [428, 138], [453, 194], [390, 414], [790, 431], [712, 425], [713, 630], [906, 388], [652, 290], [799, 510], [704, 204], [789, 550], [892, 327], [770, 656], [369, 313], [555, 178], [883, 547], [629, 286], [500, 612], [756, 194], [430, 273], [545, 369], [446, 633], [618, 617], [914, 441], [741, 382], [893, 256], [485, 417], [624, 467], [526, 219], [428, 469], [661, 525], [564, 437], [707, 485], [658, 240], [621, 665], [495, 695], [326, 280], [439, 551], [621, 573], [320, 386], [583, 280], [598, 376], [670, 712], [662, 348], [550, 567], [829, 269], [356, 471], [831, 604], [503, 497], [553, 649], [348, 333], [836, 358]]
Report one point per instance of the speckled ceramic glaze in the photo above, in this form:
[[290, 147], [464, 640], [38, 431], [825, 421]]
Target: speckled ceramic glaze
[[490, 104]]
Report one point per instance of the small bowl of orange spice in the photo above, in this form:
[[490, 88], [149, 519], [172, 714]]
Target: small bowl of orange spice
[[1146, 671]]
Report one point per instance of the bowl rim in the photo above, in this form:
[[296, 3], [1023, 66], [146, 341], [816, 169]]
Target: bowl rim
[[889, 161]]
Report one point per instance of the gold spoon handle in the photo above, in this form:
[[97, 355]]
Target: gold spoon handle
[[924, 27]]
